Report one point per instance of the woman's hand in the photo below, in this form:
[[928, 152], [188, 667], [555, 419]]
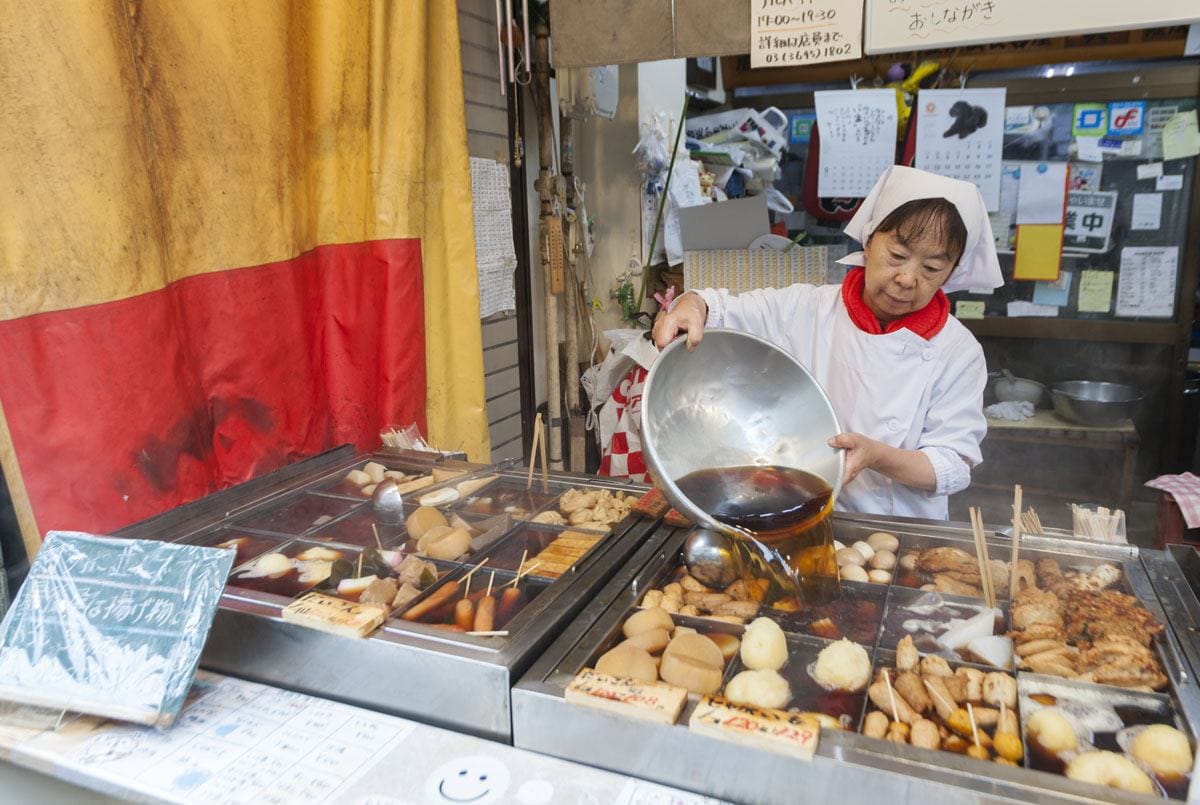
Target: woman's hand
[[861, 453], [687, 316], [909, 467]]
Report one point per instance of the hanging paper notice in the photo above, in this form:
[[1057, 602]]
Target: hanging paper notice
[[858, 139], [1146, 286], [495, 254], [787, 33], [1181, 136], [960, 134], [1043, 186], [111, 627], [1147, 211], [1039, 252], [1095, 291], [1089, 221]]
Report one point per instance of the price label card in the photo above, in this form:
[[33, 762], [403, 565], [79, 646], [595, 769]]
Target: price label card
[[786, 33], [326, 613], [650, 701], [790, 734]]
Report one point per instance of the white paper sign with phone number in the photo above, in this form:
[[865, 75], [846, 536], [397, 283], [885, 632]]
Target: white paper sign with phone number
[[786, 33]]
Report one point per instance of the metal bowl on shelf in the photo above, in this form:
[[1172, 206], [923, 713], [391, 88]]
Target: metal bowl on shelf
[[1009, 388], [1094, 402]]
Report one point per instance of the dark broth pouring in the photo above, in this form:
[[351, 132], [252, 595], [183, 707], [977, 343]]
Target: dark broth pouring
[[786, 511]]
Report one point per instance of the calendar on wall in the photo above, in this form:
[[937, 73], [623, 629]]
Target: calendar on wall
[[960, 134], [858, 140]]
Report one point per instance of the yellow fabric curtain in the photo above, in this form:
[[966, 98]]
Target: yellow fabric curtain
[[146, 142]]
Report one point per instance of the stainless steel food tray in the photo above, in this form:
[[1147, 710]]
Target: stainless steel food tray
[[848, 767], [409, 669]]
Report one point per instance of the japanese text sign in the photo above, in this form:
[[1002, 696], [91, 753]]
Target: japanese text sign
[[111, 627], [786, 33]]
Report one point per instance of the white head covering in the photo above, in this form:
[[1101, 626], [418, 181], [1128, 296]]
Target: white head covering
[[978, 267]]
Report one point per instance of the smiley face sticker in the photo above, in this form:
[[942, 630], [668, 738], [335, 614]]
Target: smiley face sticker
[[474, 780]]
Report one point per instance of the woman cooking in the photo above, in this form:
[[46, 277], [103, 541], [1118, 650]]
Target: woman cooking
[[905, 378]]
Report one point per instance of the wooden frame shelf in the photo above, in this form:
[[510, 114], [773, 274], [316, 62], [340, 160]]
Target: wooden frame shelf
[[1125, 332]]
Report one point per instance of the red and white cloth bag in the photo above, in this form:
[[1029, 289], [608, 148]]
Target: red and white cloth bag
[[620, 417], [622, 456], [1185, 489]]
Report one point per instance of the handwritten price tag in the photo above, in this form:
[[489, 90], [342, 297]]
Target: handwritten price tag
[[650, 701], [791, 734], [325, 613]]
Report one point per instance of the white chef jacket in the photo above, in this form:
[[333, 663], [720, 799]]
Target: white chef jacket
[[896, 388]]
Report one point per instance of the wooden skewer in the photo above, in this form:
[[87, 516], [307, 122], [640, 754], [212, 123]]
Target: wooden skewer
[[935, 694], [378, 543], [520, 574], [987, 563], [524, 553], [491, 579], [891, 696], [467, 587], [358, 575], [974, 729], [471, 572], [545, 464], [533, 450], [1016, 543], [987, 560], [985, 571], [973, 513], [500, 633]]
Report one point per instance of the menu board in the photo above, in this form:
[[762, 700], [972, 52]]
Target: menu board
[[904, 25], [788, 33]]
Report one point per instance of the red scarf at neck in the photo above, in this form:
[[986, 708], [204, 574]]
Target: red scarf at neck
[[926, 322]]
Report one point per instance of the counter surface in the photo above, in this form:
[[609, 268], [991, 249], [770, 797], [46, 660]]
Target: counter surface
[[238, 741]]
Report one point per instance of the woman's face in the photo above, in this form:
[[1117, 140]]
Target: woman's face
[[903, 276]]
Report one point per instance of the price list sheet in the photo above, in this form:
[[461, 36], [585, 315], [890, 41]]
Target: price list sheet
[[242, 742], [1146, 282]]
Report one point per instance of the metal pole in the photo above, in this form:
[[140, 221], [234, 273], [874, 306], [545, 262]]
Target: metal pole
[[545, 188], [575, 428]]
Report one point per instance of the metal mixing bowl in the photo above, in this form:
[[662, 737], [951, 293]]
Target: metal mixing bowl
[[735, 401], [1094, 402]]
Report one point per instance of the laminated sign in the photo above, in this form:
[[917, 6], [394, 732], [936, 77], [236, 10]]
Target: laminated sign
[[111, 627], [1089, 220]]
